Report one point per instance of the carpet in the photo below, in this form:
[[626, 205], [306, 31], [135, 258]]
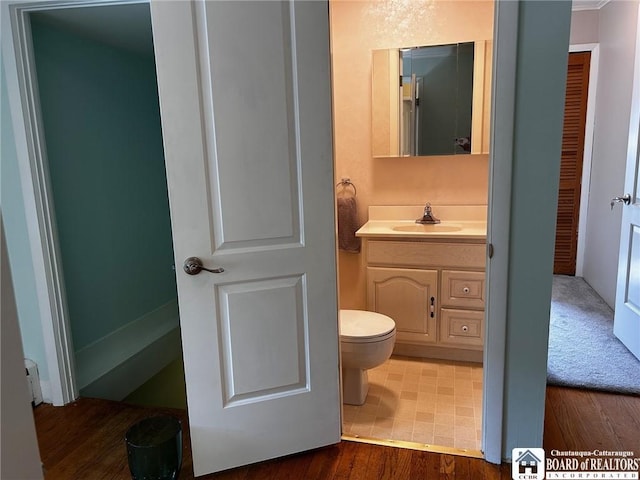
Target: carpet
[[583, 352]]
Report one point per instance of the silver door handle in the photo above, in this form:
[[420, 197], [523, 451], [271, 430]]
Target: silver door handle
[[193, 266], [626, 199]]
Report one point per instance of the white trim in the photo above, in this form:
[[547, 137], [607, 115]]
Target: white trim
[[132, 372], [23, 100], [130, 368], [581, 5], [594, 48], [498, 225], [107, 353], [45, 388], [34, 176]]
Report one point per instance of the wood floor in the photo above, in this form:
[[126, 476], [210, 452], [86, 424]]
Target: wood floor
[[587, 420], [85, 440]]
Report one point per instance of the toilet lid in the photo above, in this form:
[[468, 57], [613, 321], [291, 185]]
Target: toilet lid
[[361, 324]]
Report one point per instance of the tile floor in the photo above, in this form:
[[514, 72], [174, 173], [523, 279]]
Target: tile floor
[[421, 400]]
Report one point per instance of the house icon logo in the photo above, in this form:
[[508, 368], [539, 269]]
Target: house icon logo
[[527, 464]]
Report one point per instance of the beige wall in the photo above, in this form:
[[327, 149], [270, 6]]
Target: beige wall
[[584, 27], [357, 28]]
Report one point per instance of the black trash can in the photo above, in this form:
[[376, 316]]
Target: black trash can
[[154, 448]]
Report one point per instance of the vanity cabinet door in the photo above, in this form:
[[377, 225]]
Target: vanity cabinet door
[[409, 297]]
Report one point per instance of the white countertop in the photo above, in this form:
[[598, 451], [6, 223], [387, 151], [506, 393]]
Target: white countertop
[[456, 223]]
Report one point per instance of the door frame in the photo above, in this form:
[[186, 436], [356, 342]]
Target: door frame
[[31, 151], [22, 89], [498, 225]]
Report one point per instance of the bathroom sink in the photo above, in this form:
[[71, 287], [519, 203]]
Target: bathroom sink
[[427, 228], [398, 222]]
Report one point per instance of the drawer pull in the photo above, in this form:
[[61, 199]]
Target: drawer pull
[[466, 290], [465, 328], [432, 308]]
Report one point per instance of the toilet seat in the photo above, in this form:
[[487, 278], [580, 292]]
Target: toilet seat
[[360, 326]]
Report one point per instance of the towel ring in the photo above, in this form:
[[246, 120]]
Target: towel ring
[[346, 182]]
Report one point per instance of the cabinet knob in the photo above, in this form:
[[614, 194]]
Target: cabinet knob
[[465, 328], [466, 290]]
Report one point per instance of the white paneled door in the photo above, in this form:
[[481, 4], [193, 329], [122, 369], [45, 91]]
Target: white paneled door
[[246, 116], [627, 308]]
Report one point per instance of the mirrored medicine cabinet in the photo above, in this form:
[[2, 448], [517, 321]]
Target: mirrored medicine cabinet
[[431, 100]]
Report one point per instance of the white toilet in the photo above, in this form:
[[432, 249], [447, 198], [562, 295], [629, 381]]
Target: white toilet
[[366, 341]]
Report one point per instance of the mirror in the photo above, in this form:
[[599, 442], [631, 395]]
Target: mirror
[[436, 89], [430, 100]]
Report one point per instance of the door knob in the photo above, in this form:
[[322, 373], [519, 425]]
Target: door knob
[[626, 199], [193, 266]]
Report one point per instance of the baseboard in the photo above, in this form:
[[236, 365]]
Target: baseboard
[[120, 362], [45, 387], [437, 352]]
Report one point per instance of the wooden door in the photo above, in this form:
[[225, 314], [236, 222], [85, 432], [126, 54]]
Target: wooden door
[[246, 115], [575, 113]]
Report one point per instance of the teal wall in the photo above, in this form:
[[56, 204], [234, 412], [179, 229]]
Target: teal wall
[[102, 128], [18, 240], [541, 68]]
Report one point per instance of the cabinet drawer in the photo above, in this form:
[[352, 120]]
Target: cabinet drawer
[[462, 289], [461, 327], [426, 254]]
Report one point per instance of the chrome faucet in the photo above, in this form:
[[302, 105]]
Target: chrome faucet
[[427, 216]]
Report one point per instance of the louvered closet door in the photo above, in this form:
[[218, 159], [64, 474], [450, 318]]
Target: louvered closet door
[[575, 112]]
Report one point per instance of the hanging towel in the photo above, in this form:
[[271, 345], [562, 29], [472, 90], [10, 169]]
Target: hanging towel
[[348, 224]]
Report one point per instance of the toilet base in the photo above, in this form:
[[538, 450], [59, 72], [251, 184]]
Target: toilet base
[[355, 385]]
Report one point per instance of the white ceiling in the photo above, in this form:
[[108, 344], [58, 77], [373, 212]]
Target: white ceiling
[[125, 26]]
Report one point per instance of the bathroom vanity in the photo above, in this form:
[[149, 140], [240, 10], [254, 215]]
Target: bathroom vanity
[[429, 278]]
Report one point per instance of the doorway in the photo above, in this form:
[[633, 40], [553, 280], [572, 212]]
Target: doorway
[[100, 118], [417, 397], [600, 265], [603, 241], [571, 166]]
